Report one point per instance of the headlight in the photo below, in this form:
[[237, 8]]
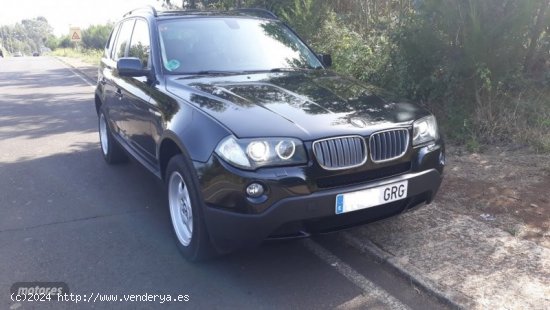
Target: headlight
[[258, 151], [285, 149], [231, 151], [425, 130], [255, 153]]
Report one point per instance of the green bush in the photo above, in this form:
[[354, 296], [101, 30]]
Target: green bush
[[96, 36]]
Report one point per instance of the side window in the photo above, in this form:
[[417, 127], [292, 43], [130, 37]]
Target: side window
[[111, 41], [123, 39], [140, 42]]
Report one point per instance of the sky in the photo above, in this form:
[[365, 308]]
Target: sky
[[62, 14]]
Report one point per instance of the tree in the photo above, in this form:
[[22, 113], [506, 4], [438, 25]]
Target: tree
[[27, 36], [52, 42], [37, 30], [96, 36], [536, 32], [65, 42]]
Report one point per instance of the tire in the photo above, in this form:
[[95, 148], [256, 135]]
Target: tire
[[186, 209], [111, 150]]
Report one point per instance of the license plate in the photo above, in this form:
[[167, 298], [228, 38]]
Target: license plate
[[371, 197]]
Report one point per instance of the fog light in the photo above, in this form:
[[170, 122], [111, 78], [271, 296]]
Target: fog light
[[255, 190]]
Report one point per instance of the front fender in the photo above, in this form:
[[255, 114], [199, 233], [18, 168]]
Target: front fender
[[198, 136]]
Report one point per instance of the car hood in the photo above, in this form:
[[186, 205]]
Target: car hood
[[308, 105]]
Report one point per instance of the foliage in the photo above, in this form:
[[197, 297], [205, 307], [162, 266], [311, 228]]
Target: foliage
[[96, 36], [91, 56], [37, 31], [28, 36], [65, 42], [472, 55], [52, 42], [306, 16], [34, 34]]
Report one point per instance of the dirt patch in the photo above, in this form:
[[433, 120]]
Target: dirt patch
[[508, 188]]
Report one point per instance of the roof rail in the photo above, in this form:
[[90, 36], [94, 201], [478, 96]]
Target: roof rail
[[257, 12], [182, 11], [148, 8]]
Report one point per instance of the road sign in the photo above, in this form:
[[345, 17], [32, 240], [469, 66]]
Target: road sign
[[75, 34]]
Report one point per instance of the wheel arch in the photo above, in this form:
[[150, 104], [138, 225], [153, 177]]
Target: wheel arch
[[195, 134], [168, 148], [98, 103]]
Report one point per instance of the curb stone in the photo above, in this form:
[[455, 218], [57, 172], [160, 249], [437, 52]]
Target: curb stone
[[448, 296]]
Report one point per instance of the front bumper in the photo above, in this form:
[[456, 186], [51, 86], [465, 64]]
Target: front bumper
[[312, 213]]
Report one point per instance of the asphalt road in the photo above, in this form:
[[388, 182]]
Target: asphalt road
[[66, 216]]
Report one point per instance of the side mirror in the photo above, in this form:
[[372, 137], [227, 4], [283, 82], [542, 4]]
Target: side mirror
[[326, 59], [131, 66]]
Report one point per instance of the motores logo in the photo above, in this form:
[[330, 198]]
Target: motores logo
[[39, 288]]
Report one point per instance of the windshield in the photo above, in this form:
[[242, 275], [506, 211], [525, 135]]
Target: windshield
[[231, 44]]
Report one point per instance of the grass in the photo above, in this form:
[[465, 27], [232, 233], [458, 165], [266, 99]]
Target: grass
[[515, 230], [520, 117], [87, 55], [531, 119]]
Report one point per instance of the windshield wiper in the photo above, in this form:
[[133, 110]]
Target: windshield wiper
[[213, 72], [220, 72], [277, 70]]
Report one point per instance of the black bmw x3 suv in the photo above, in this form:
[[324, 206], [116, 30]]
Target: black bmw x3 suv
[[253, 136]]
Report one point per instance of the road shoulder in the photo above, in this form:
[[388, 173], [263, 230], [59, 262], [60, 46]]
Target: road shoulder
[[85, 69]]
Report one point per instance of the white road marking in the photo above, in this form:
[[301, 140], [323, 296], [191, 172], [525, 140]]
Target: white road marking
[[80, 77], [354, 276], [76, 74]]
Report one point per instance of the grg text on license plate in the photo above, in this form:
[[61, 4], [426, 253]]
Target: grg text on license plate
[[371, 197]]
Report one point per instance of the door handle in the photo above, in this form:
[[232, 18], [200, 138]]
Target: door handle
[[119, 93], [155, 112]]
